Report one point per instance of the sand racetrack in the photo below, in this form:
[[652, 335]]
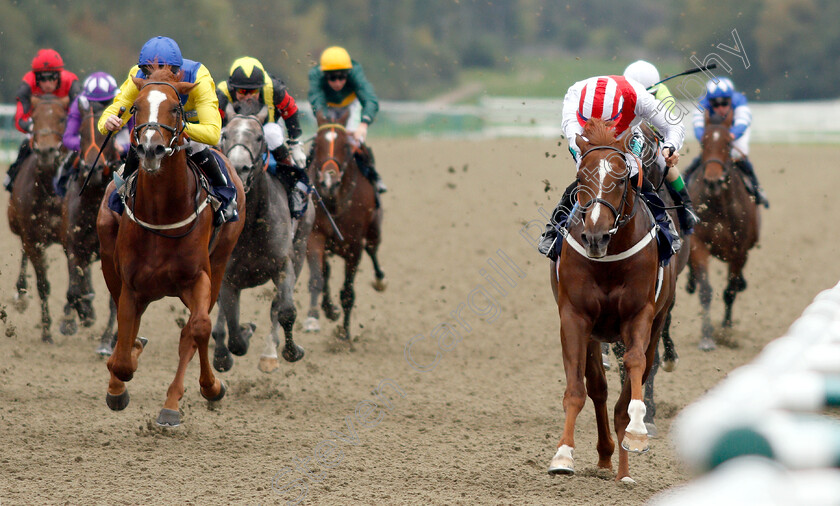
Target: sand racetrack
[[479, 427]]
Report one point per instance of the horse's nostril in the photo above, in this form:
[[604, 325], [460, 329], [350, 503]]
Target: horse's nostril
[[159, 151]]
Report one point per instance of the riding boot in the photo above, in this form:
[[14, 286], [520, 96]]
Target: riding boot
[[23, 152], [558, 217], [687, 173], [367, 164], [62, 175], [206, 161], [295, 180], [685, 210], [746, 166]]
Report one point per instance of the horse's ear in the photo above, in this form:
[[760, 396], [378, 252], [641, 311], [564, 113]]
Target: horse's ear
[[34, 101], [184, 88], [320, 119], [344, 116], [65, 101], [729, 117], [230, 111], [263, 114], [581, 142], [83, 103], [138, 82]]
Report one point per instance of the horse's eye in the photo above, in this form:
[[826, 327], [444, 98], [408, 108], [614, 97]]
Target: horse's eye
[[260, 138], [224, 136]]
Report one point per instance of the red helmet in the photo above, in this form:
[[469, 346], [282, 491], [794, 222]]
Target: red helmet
[[46, 60]]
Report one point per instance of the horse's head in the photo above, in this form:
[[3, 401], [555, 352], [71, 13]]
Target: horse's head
[[243, 142], [49, 117], [333, 153], [91, 141], [604, 185], [159, 116], [716, 156]]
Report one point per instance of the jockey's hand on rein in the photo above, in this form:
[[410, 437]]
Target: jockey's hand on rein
[[671, 156], [113, 123]]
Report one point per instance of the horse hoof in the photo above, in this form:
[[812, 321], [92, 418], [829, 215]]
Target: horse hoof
[[47, 339], [223, 362], [628, 480], [311, 325], [105, 349], [379, 285], [246, 331], [142, 341], [652, 431], [707, 344], [670, 364], [605, 359], [563, 461], [117, 402], [342, 334], [691, 286], [219, 396], [331, 312], [88, 322], [238, 345], [294, 354], [636, 443], [268, 364], [21, 303], [68, 326], [168, 418]]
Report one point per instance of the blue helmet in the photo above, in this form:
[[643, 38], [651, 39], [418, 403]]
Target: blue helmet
[[720, 88], [162, 50]]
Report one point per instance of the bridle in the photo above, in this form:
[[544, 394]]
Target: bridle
[[331, 160], [256, 158], [158, 127], [620, 218], [94, 147]]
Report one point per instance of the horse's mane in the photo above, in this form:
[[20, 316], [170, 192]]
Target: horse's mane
[[599, 132], [162, 73]]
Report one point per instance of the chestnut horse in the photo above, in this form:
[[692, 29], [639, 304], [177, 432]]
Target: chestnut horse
[[34, 208], [81, 245], [164, 244], [351, 200], [729, 225], [271, 248], [609, 287]]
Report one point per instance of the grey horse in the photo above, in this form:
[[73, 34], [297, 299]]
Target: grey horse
[[271, 247]]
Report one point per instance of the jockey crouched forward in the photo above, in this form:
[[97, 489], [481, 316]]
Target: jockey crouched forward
[[248, 81], [336, 84], [203, 123], [625, 102], [46, 77]]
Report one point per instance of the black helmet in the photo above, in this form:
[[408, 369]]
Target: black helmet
[[247, 74]]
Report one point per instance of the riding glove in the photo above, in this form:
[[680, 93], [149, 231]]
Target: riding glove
[[296, 151]]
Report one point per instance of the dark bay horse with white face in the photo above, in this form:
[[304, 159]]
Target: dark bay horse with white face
[[351, 200], [163, 245], [609, 287], [729, 226], [34, 208], [81, 245], [271, 248]]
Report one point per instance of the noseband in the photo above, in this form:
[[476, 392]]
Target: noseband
[[157, 126], [619, 221]]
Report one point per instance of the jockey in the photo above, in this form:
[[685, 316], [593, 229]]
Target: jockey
[[248, 81], [336, 84], [721, 98], [97, 87], [47, 76], [203, 123], [626, 102]]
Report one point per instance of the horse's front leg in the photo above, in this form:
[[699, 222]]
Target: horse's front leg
[[736, 284], [315, 257], [79, 291], [597, 388], [123, 361], [21, 302], [222, 358], [109, 337], [283, 315], [630, 409], [574, 337], [348, 294], [239, 336], [699, 265], [39, 264]]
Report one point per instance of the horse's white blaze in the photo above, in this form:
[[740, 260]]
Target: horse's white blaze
[[637, 411], [603, 169], [716, 135], [331, 136], [155, 98]]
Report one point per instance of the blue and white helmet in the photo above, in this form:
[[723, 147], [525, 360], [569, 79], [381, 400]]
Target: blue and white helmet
[[720, 88], [100, 86]]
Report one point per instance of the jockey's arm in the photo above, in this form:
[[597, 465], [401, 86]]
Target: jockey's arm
[[569, 123], [649, 108], [208, 129], [742, 119], [287, 110], [699, 121], [24, 108], [109, 121], [72, 139], [366, 95]]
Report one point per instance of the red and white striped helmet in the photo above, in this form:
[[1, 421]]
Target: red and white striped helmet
[[601, 97]]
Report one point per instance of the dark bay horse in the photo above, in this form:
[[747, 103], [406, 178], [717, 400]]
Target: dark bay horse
[[34, 208], [81, 245], [730, 222], [271, 248], [164, 244], [351, 200], [609, 287]]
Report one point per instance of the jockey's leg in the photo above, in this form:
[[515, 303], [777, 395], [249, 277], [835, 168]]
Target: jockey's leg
[[206, 161], [558, 216], [23, 152], [746, 166], [677, 190], [367, 164], [295, 180], [62, 175]]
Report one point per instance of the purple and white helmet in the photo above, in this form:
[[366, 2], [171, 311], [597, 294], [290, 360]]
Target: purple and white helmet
[[100, 86]]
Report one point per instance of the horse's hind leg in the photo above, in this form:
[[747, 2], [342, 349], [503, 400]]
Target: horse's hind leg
[[597, 388], [283, 315], [330, 310], [109, 337], [21, 302], [669, 350], [650, 404], [315, 259], [699, 265], [222, 358], [371, 247], [736, 284], [239, 336], [39, 263], [348, 294]]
